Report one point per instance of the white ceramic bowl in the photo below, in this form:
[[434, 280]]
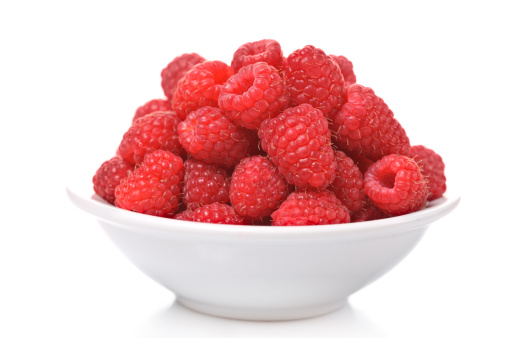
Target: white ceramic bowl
[[261, 272]]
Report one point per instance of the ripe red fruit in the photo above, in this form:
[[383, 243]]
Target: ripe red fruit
[[298, 142], [108, 177], [368, 212], [366, 126], [267, 50], [152, 106], [348, 183], [432, 167], [346, 69], [200, 86], [154, 187], [313, 77], [217, 213], [175, 70], [149, 133], [257, 188], [255, 93], [395, 185], [311, 208], [186, 215], [208, 135], [204, 184]]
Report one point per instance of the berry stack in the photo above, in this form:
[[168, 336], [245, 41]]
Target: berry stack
[[268, 139]]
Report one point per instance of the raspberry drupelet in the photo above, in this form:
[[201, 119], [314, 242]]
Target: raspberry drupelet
[[298, 142], [313, 77], [154, 187], [200, 86], [257, 188], [255, 93], [151, 132], [395, 185], [311, 208]]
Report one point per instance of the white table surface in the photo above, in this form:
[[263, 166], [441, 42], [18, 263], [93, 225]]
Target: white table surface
[[72, 75]]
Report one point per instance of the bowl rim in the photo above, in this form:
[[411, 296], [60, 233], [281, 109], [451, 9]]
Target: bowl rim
[[85, 198]]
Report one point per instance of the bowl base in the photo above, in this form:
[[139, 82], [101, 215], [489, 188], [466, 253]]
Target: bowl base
[[268, 314]]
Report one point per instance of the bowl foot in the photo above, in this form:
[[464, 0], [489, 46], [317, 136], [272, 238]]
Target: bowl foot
[[265, 314]]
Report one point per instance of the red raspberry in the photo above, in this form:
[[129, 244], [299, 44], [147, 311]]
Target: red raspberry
[[152, 106], [348, 183], [368, 212], [204, 184], [108, 177], [257, 188], [149, 133], [311, 208], [175, 70], [312, 77], [217, 213], [208, 135], [255, 93], [346, 69], [154, 186], [395, 185], [298, 142], [432, 167], [268, 51], [366, 126], [186, 215], [200, 86]]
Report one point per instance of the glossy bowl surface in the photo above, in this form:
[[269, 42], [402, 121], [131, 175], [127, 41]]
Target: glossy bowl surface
[[261, 272]]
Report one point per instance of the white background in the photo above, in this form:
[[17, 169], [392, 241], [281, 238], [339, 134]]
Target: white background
[[73, 73]]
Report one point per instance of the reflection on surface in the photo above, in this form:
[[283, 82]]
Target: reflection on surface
[[186, 323]]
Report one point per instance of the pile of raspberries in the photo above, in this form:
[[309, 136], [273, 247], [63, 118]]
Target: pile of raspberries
[[268, 140]]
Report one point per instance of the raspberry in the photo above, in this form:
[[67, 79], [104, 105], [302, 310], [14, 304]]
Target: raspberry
[[175, 70], [313, 77], [395, 185], [368, 212], [268, 51], [311, 208], [200, 86], [298, 142], [346, 69], [366, 126], [204, 184], [255, 93], [153, 188], [108, 177], [348, 183], [432, 167], [152, 106], [186, 215], [208, 135], [149, 133], [217, 213], [257, 188]]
